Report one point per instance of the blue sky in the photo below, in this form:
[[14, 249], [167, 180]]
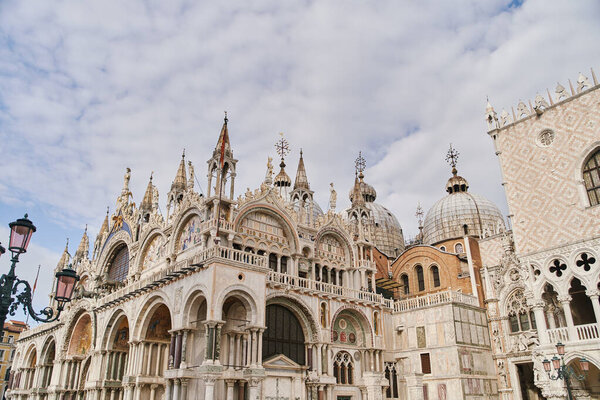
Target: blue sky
[[90, 88]]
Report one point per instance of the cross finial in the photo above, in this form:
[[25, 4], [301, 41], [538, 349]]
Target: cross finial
[[419, 214], [226, 117], [282, 146], [360, 163], [107, 210], [183, 154], [151, 174], [452, 158]]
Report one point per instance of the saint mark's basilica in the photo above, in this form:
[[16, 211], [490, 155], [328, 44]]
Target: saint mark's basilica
[[266, 295]]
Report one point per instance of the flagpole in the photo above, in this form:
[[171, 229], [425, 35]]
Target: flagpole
[[33, 291]]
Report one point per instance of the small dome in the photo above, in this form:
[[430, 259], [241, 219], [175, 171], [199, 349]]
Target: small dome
[[448, 216], [282, 178], [368, 192], [388, 232], [317, 211]]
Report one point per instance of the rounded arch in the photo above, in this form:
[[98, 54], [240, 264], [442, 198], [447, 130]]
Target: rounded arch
[[71, 321], [290, 228], [284, 334], [194, 298], [579, 175], [49, 341], [180, 223], [142, 320], [361, 320], [145, 246], [30, 356], [242, 293], [81, 340], [299, 308], [113, 325], [114, 241], [341, 237]]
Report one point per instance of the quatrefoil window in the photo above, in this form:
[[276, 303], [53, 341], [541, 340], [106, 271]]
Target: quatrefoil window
[[558, 267], [585, 261]]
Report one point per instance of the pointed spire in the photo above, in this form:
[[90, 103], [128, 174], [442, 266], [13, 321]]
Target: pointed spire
[[64, 259], [180, 182], [146, 203], [356, 196], [84, 246], [223, 147], [104, 227], [301, 178]]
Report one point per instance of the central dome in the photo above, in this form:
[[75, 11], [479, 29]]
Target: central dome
[[461, 213]]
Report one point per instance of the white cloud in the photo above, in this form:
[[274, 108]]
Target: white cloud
[[87, 89]]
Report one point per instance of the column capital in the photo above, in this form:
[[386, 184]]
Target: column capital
[[564, 298], [593, 293]]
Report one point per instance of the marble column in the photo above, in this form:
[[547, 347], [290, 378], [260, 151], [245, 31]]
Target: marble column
[[594, 295], [540, 322], [230, 384], [565, 302]]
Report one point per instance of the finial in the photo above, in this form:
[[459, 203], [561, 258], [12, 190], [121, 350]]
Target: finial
[[151, 174], [183, 154], [452, 158], [85, 229], [419, 214], [226, 118], [282, 147], [300, 153], [360, 164]]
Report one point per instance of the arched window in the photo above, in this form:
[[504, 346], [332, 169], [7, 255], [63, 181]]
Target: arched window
[[591, 177], [420, 277], [343, 368], [405, 284], [435, 275], [119, 266], [283, 335], [520, 316], [458, 248]]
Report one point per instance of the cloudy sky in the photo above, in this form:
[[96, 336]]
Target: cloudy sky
[[90, 88]]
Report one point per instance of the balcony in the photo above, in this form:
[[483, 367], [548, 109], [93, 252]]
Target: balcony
[[582, 332], [280, 280], [433, 299], [212, 224]]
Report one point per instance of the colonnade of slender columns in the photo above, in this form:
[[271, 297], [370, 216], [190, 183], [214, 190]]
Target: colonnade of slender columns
[[372, 360]]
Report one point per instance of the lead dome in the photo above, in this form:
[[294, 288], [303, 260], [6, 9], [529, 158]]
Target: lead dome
[[460, 213]]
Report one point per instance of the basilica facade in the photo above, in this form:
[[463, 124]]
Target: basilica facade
[[269, 296]]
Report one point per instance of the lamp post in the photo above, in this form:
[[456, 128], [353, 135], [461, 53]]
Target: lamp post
[[564, 371], [20, 235]]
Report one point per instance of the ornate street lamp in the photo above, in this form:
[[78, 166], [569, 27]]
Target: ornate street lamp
[[564, 371], [20, 236]]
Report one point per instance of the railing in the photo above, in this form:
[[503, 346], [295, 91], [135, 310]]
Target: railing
[[587, 331], [212, 223], [558, 335], [228, 253], [446, 297], [216, 252], [366, 264], [326, 288]]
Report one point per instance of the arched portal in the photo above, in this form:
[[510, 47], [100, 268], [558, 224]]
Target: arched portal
[[79, 348], [236, 343], [152, 352], [117, 353], [284, 335], [47, 367]]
